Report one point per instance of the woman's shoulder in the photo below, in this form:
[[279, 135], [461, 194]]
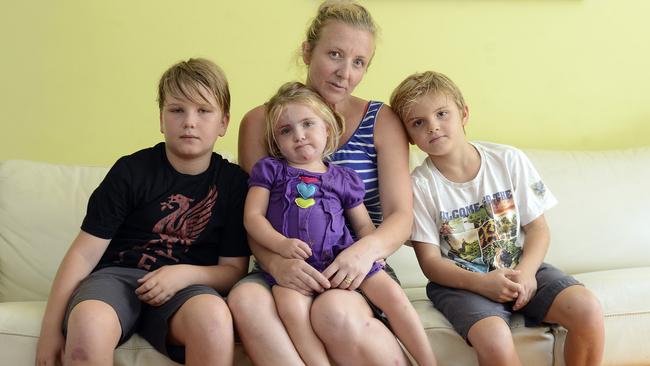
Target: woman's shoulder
[[255, 115]]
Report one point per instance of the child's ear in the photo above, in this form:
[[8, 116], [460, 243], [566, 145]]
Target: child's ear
[[306, 52], [465, 113], [224, 123]]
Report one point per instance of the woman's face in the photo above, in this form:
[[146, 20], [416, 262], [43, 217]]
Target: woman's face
[[338, 61]]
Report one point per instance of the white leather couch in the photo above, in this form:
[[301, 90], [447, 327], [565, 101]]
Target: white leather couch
[[600, 233]]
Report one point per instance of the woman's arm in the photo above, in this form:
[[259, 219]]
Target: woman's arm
[[396, 202]]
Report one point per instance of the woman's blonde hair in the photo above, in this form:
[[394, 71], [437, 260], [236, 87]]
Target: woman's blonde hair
[[298, 93], [421, 84], [186, 78], [344, 11]]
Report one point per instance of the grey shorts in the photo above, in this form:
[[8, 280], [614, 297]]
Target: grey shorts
[[464, 308], [257, 275], [116, 287]]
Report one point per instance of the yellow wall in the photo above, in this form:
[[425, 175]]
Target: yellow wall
[[78, 78]]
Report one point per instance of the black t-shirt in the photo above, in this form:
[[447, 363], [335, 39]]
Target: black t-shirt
[[157, 216]]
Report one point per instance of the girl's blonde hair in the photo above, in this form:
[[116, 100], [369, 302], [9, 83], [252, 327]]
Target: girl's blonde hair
[[421, 84], [344, 11], [298, 93], [186, 78]]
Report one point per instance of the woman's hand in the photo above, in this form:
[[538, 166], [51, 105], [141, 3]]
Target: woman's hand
[[349, 268], [298, 275]]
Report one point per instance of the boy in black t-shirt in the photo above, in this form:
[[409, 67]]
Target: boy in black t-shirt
[[162, 239]]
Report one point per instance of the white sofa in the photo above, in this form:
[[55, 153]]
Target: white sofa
[[600, 233]]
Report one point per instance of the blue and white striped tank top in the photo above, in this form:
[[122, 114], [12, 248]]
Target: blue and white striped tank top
[[360, 155]]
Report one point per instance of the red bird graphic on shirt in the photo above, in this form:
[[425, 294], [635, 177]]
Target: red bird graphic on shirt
[[184, 225]]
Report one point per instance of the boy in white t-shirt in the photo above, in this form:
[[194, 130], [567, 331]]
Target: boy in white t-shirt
[[480, 234]]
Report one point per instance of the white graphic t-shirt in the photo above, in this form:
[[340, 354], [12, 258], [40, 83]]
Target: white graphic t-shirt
[[477, 223]]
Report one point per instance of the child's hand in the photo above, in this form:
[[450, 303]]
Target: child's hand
[[498, 286], [49, 351], [158, 286], [295, 248], [528, 284]]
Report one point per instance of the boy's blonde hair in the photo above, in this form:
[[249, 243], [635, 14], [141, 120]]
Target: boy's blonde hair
[[298, 93], [185, 79], [422, 84], [344, 11]]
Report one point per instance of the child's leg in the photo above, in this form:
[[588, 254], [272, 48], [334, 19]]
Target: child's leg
[[294, 309], [102, 313], [204, 326], [193, 327], [492, 339], [561, 300], [482, 322], [93, 332], [404, 321]]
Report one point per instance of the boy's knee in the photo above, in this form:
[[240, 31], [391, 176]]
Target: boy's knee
[[587, 313], [203, 315], [93, 319], [491, 335]]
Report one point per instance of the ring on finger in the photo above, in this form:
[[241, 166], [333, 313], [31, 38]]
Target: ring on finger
[[347, 280]]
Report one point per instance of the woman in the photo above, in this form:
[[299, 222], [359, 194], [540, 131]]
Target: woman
[[337, 52]]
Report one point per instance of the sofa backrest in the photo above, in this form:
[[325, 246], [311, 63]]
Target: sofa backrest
[[41, 209], [602, 220]]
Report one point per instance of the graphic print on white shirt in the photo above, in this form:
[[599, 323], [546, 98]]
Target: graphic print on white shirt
[[477, 224]]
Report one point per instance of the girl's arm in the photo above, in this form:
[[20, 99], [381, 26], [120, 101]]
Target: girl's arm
[[495, 285], [396, 202], [260, 229]]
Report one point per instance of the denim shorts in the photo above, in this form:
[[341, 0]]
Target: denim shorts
[[116, 287], [464, 308]]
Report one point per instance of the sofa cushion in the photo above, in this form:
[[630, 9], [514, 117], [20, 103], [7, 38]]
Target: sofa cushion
[[41, 208]]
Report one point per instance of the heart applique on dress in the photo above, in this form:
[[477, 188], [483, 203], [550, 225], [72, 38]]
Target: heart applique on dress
[[305, 203], [306, 190]]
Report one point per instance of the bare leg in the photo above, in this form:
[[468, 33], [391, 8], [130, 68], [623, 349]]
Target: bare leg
[[93, 333], [579, 311], [260, 329], [352, 336], [492, 340], [405, 322], [294, 309], [204, 326]]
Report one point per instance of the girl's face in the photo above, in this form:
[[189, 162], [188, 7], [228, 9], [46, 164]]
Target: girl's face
[[301, 136], [338, 61]]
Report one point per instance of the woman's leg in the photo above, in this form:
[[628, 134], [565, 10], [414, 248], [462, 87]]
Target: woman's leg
[[343, 320], [258, 324]]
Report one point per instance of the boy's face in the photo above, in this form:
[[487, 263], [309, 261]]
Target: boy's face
[[191, 128], [435, 124]]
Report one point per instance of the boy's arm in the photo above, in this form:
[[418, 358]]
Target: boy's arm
[[535, 247], [80, 259], [494, 285], [158, 286], [260, 229]]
